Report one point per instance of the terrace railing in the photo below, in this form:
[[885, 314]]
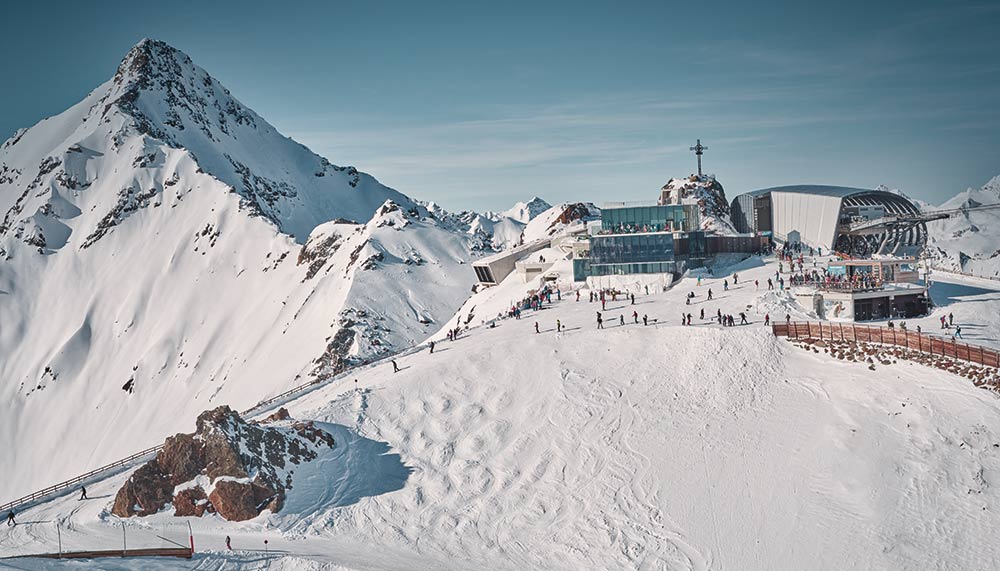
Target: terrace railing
[[924, 342]]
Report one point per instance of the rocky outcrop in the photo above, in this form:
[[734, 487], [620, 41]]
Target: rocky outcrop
[[228, 466], [708, 194]]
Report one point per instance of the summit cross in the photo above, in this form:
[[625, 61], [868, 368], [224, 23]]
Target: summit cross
[[699, 149]]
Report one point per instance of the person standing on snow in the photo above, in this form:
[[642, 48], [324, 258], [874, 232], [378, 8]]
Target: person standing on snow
[[635, 317], [432, 347], [558, 326], [951, 319], [600, 321], [83, 493], [709, 294], [621, 319], [395, 367], [743, 319], [10, 518], [645, 320], [633, 299], [702, 317], [536, 327]]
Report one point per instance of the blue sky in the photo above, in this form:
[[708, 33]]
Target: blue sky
[[480, 104]]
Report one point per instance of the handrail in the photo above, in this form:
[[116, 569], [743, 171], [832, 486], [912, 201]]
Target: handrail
[[260, 407]]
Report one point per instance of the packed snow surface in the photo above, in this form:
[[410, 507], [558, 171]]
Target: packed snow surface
[[631, 447]]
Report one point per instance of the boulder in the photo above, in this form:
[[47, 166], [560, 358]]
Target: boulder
[[225, 450], [181, 458], [234, 500], [192, 502], [144, 493]]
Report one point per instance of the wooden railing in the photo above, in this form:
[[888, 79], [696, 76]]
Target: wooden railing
[[924, 342]]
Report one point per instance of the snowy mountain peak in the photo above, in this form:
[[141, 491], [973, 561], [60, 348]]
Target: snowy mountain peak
[[525, 211]]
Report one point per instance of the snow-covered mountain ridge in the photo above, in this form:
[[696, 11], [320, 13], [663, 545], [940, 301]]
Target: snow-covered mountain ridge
[[969, 240], [163, 250]]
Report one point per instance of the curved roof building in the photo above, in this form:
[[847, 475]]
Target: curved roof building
[[856, 221]]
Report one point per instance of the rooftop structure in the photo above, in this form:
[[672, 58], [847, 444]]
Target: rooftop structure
[[856, 221], [491, 270]]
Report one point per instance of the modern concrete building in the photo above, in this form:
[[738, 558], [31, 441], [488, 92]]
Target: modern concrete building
[[493, 269], [855, 221]]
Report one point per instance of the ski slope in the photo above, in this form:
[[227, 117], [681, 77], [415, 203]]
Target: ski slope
[[632, 447]]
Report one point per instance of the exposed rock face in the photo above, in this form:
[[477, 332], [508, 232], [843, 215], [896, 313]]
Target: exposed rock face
[[234, 500], [192, 501], [221, 455], [708, 193]]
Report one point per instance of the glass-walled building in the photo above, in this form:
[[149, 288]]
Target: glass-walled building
[[622, 218], [637, 239]]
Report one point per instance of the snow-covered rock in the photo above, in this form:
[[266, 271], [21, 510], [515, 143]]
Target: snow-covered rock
[[708, 194], [227, 466], [526, 211]]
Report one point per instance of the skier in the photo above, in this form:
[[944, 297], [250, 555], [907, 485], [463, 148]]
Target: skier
[[702, 314], [725, 285], [788, 318], [958, 331], [432, 347], [536, 327], [600, 321], [767, 319], [10, 518], [604, 305], [743, 319], [578, 295], [688, 301], [709, 294], [951, 319], [647, 290], [229, 545], [645, 320], [558, 326], [621, 319], [756, 284], [635, 317], [918, 329], [83, 493], [395, 367], [689, 319], [633, 299]]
